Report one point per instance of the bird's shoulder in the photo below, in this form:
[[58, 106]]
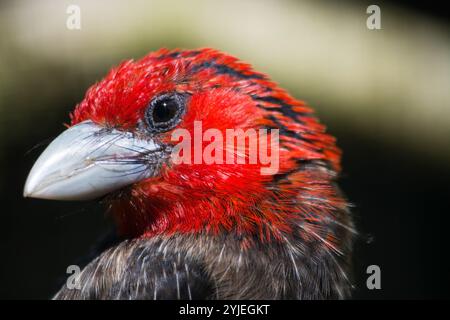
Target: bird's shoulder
[[140, 269]]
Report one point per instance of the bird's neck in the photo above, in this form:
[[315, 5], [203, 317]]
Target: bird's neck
[[260, 215], [303, 196]]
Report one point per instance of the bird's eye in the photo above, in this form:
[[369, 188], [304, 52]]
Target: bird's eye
[[165, 112]]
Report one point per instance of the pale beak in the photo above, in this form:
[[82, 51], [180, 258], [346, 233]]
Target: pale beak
[[88, 161]]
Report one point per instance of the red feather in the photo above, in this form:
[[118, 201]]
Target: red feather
[[224, 93]]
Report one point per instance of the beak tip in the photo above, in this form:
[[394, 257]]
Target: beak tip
[[28, 191], [33, 189]]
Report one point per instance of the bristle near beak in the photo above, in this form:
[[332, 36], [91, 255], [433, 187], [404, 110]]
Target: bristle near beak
[[88, 161]]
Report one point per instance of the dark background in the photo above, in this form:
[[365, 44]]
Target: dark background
[[400, 194]]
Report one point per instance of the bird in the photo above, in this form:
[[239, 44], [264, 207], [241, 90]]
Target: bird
[[202, 230]]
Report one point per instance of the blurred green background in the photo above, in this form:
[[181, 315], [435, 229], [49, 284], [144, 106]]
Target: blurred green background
[[383, 93]]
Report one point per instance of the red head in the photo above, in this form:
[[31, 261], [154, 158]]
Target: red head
[[166, 91]]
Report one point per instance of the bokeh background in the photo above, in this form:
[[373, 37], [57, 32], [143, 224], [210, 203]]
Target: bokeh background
[[383, 93]]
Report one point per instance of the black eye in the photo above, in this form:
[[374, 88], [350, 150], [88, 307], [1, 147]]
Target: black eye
[[165, 112]]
